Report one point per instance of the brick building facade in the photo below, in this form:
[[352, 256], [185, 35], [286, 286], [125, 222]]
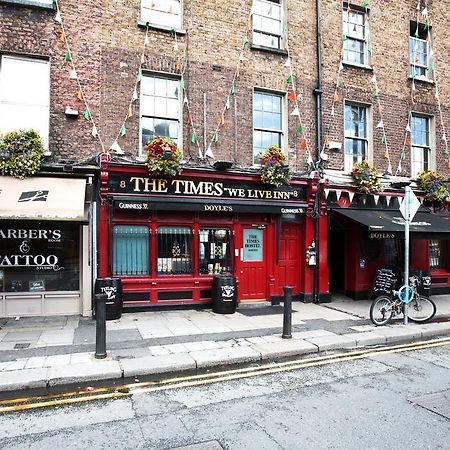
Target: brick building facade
[[225, 81]]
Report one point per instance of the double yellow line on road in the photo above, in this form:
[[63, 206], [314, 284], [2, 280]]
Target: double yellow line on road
[[113, 392]]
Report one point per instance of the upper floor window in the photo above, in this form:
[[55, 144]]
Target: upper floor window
[[160, 108], [165, 13], [268, 23], [419, 51], [356, 35], [267, 122], [356, 135], [420, 144], [25, 95]]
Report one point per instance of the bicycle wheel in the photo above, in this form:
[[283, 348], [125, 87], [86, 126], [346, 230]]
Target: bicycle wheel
[[381, 310], [421, 309]]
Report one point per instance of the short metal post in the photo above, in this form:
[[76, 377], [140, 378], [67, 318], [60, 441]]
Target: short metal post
[[100, 331], [287, 313]]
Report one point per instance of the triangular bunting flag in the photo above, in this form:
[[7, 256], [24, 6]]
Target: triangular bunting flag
[[304, 144], [241, 57], [290, 79], [389, 169], [373, 80], [142, 59], [182, 83], [376, 198], [130, 112], [146, 40], [233, 89], [193, 138], [94, 131], [227, 104], [209, 153], [309, 159], [380, 124], [115, 147], [189, 119], [388, 200], [288, 62], [122, 131], [383, 139], [299, 128], [407, 141], [295, 112], [58, 17], [327, 191], [332, 110], [139, 75], [222, 120], [67, 56], [73, 75], [135, 95], [446, 151], [215, 137], [178, 66], [292, 95], [341, 67], [87, 114], [386, 154], [418, 6], [336, 97], [245, 42], [62, 36], [185, 101], [351, 195], [200, 154], [408, 128], [79, 95], [175, 47], [338, 193]]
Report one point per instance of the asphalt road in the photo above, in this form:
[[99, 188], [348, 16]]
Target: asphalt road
[[395, 400]]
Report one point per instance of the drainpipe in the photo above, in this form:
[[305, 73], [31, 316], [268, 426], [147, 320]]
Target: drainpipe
[[318, 94]]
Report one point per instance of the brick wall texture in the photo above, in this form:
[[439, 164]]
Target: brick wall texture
[[107, 44]]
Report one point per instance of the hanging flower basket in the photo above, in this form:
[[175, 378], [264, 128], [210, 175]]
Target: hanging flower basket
[[274, 170], [163, 157], [436, 188], [367, 178], [21, 153]]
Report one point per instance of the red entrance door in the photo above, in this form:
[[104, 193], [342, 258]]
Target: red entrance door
[[252, 264], [288, 267]]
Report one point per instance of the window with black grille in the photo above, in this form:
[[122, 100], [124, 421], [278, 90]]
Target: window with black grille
[[215, 250], [174, 250]]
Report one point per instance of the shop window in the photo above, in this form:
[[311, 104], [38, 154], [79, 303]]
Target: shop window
[[36, 258], [437, 255], [130, 250], [215, 250], [174, 250], [164, 13], [160, 108], [267, 122], [268, 23], [393, 252], [419, 51], [25, 95], [356, 135], [355, 34], [420, 144]]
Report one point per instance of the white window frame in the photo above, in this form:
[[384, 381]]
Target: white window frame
[[259, 15], [347, 32], [156, 13], [413, 40], [37, 108], [154, 115], [349, 159], [282, 132], [417, 151]]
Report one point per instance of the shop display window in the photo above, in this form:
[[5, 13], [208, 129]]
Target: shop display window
[[214, 250], [174, 250], [130, 250], [39, 256], [437, 254]]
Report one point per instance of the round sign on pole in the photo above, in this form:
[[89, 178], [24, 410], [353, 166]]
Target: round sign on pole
[[406, 293]]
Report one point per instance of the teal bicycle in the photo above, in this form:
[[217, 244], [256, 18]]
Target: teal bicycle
[[385, 307]]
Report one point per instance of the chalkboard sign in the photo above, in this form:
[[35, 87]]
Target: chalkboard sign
[[384, 281]]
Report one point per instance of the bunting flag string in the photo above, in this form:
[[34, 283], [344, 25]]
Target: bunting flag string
[[232, 90], [80, 95], [293, 98]]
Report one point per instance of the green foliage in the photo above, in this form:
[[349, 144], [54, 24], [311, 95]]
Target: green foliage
[[436, 188], [367, 178], [21, 153], [163, 157], [274, 171]]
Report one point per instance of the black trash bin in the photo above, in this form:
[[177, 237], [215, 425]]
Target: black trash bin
[[224, 294], [112, 287]]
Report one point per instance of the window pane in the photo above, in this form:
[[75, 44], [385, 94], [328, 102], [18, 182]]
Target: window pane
[[215, 250], [437, 254], [147, 105], [130, 250], [161, 12], [174, 250]]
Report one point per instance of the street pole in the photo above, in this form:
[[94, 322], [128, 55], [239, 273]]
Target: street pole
[[406, 277]]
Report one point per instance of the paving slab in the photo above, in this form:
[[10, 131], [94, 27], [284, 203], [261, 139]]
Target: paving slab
[[75, 373], [284, 348], [435, 329], [23, 379], [332, 342], [223, 356], [400, 333], [157, 364], [367, 338]]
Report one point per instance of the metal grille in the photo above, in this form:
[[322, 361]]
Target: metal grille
[[130, 250], [174, 250]]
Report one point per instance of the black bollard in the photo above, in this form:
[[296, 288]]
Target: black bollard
[[100, 330], [287, 313]]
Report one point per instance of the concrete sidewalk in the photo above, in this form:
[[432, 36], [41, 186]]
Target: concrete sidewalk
[[41, 352]]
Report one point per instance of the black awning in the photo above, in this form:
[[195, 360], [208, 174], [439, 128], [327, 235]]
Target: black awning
[[378, 222]]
